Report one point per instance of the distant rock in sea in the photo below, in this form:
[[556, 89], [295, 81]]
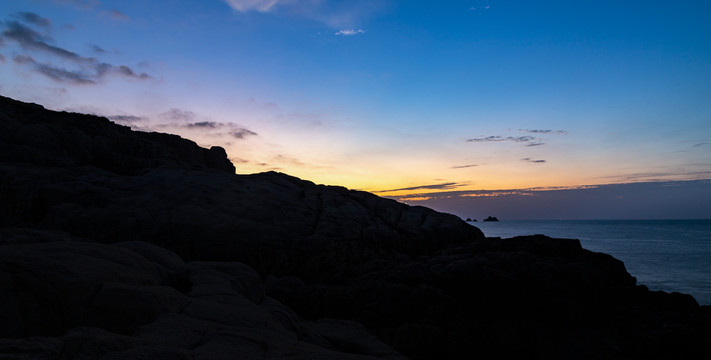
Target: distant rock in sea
[[123, 244], [491, 218]]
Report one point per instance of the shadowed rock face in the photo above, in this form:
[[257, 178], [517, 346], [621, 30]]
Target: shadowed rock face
[[134, 245], [73, 299], [29, 133], [112, 184]]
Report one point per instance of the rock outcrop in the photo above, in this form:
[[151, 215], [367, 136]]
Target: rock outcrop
[[60, 139], [121, 244], [70, 299]]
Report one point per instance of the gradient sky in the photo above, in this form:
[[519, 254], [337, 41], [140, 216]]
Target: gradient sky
[[391, 96]]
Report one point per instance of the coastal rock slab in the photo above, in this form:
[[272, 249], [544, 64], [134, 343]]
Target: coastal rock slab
[[76, 299]]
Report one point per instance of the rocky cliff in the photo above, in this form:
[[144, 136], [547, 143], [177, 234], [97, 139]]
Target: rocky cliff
[[122, 244]]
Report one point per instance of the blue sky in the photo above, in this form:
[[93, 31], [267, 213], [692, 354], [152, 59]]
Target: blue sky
[[388, 95]]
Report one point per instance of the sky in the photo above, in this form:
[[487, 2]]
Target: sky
[[422, 101]]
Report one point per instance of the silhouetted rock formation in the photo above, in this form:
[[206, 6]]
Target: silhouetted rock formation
[[31, 134], [491, 218], [137, 245]]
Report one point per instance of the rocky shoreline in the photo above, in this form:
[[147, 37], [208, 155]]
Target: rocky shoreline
[[123, 244]]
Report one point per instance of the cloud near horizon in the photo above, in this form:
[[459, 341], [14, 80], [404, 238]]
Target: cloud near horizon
[[463, 166], [182, 119], [236, 131], [635, 200], [534, 161], [442, 186], [660, 176], [86, 71], [528, 140], [463, 194], [496, 138], [176, 114], [127, 119]]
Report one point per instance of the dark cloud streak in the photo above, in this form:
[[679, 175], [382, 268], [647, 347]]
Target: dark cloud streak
[[84, 4], [117, 15], [32, 18], [638, 200], [98, 49], [54, 73], [178, 115], [517, 139], [30, 39], [540, 131], [533, 161], [205, 124], [90, 69], [442, 186], [125, 118], [241, 133]]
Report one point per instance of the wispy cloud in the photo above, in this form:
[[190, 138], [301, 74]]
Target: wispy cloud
[[55, 73], [464, 166], [29, 39], [534, 161], [125, 119], [98, 49], [117, 15], [543, 131], [442, 186], [87, 70], [176, 114], [517, 139], [34, 19], [350, 32], [659, 176], [84, 4], [638, 200], [233, 130], [252, 5], [241, 133], [335, 14], [2, 58], [461, 194], [181, 120], [528, 140], [204, 124]]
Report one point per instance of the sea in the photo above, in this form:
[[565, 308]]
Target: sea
[[668, 255]]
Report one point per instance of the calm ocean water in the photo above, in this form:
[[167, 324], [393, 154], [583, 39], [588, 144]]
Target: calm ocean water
[[669, 255]]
